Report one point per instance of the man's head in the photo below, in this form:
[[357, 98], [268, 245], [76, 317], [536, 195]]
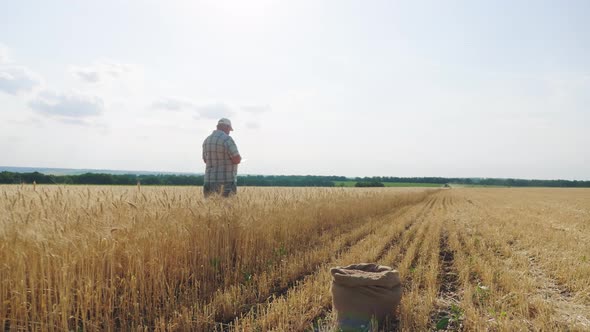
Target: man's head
[[224, 125]]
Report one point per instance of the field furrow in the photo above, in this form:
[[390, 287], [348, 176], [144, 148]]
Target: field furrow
[[447, 313], [231, 302], [310, 299], [419, 269], [395, 251]]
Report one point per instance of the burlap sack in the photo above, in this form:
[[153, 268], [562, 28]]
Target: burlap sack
[[363, 291]]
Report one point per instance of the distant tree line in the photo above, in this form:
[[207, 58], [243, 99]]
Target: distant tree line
[[268, 180], [481, 181], [365, 184], [167, 179], [101, 178], [408, 180], [289, 180]]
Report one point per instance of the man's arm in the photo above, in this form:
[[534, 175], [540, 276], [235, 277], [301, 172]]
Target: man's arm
[[233, 152], [236, 159]]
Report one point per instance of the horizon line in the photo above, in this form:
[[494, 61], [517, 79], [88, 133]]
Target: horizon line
[[122, 171]]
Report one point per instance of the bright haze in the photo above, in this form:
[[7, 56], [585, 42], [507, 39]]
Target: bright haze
[[354, 88]]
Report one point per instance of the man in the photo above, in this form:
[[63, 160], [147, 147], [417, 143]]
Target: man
[[221, 157]]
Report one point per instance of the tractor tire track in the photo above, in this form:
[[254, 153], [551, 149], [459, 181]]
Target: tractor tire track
[[448, 291]]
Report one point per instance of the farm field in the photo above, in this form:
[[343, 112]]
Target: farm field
[[163, 258]]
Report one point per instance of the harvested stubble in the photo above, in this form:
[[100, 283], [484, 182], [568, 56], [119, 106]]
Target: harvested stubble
[[520, 256], [97, 258], [495, 260]]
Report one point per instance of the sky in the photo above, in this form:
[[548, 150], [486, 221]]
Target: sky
[[352, 88]]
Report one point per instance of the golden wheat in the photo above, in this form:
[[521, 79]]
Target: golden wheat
[[164, 258], [128, 257]]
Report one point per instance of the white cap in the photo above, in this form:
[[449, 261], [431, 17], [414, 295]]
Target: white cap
[[225, 121]]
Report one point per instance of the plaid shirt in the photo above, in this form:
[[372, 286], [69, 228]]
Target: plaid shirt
[[218, 149]]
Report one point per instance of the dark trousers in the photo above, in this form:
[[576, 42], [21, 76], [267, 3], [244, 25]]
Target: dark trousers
[[224, 189]]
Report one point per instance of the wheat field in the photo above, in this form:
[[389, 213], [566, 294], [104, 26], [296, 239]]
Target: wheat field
[[92, 258]]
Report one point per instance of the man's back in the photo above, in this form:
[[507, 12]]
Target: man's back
[[218, 150]]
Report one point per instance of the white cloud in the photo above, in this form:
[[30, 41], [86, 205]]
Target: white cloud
[[102, 127], [85, 74], [70, 107], [3, 54], [208, 111], [214, 111], [252, 125], [101, 71], [172, 104], [17, 79], [256, 108]]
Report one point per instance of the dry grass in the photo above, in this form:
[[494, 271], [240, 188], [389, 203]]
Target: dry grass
[[111, 258]]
